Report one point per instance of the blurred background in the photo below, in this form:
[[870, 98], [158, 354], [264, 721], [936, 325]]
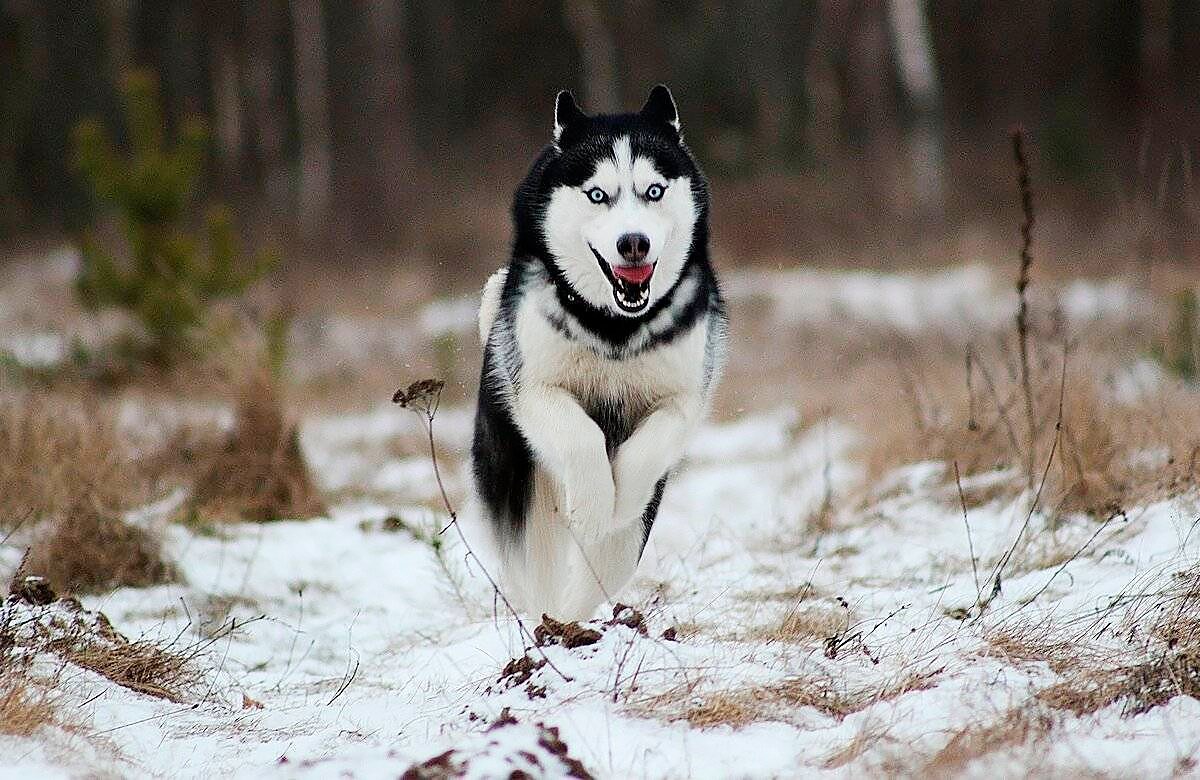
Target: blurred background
[[840, 132]]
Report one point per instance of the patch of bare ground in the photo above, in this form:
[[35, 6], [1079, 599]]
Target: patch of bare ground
[[776, 701], [257, 472], [67, 477]]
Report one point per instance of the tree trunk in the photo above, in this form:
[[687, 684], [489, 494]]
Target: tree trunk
[[308, 34], [390, 144], [265, 108], [915, 65], [597, 51]]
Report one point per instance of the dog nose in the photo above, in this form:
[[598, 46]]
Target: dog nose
[[633, 247]]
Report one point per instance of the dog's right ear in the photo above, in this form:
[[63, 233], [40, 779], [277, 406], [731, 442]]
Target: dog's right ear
[[566, 113]]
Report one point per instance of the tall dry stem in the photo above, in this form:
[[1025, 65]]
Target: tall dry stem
[[1018, 144]]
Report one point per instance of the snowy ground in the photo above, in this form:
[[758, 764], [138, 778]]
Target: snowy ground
[[372, 657], [378, 651]]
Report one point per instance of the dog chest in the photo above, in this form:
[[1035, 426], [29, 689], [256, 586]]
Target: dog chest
[[634, 383]]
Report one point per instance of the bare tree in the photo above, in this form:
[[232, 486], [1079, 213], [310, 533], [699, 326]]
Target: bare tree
[[388, 109], [598, 52], [915, 66], [266, 111], [312, 94]]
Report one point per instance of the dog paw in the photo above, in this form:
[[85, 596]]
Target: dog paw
[[588, 528], [629, 508], [589, 513]]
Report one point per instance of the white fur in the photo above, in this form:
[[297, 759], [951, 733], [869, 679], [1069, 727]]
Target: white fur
[[583, 533], [573, 224], [489, 302]]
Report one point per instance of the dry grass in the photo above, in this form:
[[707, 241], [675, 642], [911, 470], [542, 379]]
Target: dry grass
[[34, 622], [1152, 653], [25, 706], [1036, 397], [1167, 657], [1138, 688], [738, 708], [258, 471], [1099, 462], [143, 666], [56, 454], [1013, 729], [84, 551], [65, 474], [803, 624]]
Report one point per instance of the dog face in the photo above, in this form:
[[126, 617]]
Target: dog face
[[622, 202]]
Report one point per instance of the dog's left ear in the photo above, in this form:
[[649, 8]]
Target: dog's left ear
[[566, 113], [660, 107]]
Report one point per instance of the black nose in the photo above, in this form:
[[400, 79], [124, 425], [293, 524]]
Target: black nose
[[633, 247]]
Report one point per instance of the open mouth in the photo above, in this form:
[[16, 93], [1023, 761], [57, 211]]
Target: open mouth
[[630, 283]]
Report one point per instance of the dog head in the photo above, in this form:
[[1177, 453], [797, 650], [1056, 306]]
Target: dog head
[[620, 203]]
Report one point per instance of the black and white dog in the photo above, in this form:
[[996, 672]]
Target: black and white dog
[[603, 340]]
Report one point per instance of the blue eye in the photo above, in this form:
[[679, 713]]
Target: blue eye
[[597, 195], [655, 192]]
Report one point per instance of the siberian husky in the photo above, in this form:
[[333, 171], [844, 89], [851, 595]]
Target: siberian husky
[[603, 340]]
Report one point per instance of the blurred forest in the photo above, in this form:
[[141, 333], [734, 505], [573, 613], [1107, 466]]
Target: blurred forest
[[384, 125]]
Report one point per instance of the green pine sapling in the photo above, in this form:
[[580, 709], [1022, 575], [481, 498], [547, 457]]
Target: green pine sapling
[[167, 283]]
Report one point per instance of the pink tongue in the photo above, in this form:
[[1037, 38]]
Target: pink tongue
[[634, 274]]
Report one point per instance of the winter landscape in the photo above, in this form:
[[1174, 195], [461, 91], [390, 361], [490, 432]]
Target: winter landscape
[[941, 520], [816, 598]]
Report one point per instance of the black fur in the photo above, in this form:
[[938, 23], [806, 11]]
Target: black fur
[[503, 461]]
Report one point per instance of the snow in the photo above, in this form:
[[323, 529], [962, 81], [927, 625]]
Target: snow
[[370, 650], [34, 350], [371, 657], [957, 301]]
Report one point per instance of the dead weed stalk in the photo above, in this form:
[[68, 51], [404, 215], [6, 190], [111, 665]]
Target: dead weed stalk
[[422, 397]]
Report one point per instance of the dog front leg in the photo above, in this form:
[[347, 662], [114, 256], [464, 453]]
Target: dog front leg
[[649, 453], [571, 447]]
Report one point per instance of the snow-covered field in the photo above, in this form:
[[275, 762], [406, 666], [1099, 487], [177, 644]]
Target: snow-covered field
[[372, 657], [786, 621]]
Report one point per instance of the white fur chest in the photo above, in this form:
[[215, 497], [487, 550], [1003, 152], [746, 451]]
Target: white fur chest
[[549, 356]]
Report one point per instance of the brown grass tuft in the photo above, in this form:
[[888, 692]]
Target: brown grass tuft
[[1100, 461], [25, 706], [84, 638], [1138, 688], [258, 471], [65, 472], [143, 666], [803, 624], [776, 701], [1160, 660], [1016, 727], [84, 551], [56, 454]]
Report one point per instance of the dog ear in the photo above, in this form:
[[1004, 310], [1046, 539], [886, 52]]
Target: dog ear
[[660, 107], [566, 113]]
